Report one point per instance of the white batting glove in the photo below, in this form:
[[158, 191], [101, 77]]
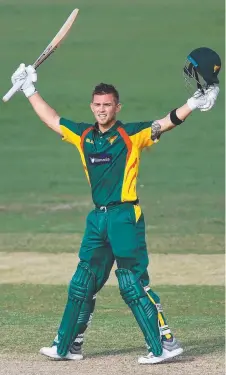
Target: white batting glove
[[205, 101], [27, 75], [212, 93]]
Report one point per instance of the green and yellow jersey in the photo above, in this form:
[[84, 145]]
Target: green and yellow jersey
[[110, 159]]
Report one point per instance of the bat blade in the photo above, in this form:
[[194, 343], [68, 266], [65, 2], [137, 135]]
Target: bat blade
[[52, 46], [57, 40]]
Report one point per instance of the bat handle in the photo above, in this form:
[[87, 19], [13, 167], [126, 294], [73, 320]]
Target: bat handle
[[13, 90]]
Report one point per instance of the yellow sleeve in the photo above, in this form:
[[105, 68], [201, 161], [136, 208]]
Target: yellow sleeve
[[73, 132], [143, 139], [69, 136]]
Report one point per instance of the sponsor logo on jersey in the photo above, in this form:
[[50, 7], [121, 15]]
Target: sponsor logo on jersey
[[98, 159]]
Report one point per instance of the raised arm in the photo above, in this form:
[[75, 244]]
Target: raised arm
[[46, 113], [203, 102]]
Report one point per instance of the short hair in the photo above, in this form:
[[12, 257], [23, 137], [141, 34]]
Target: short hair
[[104, 88]]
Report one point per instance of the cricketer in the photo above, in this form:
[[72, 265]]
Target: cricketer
[[110, 153]]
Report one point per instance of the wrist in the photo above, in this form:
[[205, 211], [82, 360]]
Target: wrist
[[192, 103], [29, 91]]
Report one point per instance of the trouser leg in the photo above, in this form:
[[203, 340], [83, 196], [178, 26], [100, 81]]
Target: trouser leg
[[96, 260], [131, 256]]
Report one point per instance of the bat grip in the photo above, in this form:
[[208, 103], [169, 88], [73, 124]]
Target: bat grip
[[13, 90]]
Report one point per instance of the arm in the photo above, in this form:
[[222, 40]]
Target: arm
[[204, 102], [70, 131], [47, 114], [165, 124]]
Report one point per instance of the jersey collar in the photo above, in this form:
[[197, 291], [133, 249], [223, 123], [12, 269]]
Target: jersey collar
[[113, 128]]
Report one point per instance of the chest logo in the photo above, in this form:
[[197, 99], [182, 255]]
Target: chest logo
[[98, 159], [112, 139]]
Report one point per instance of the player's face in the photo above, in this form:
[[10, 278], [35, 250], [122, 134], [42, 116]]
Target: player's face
[[105, 108]]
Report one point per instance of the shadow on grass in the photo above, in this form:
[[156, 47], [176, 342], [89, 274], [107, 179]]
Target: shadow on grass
[[192, 348], [203, 346]]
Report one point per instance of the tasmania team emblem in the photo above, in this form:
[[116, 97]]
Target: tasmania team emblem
[[112, 139]]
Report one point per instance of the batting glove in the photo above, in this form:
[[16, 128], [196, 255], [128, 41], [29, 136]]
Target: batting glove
[[27, 76], [205, 101]]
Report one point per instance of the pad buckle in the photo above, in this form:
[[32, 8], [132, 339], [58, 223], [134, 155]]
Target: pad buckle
[[103, 208]]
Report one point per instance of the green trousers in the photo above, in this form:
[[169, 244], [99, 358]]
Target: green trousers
[[113, 234], [116, 234]]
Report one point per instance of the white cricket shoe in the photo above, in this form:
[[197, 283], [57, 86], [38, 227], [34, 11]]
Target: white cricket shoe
[[166, 355], [51, 352]]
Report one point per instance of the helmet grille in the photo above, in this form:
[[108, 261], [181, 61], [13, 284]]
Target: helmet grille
[[193, 80]]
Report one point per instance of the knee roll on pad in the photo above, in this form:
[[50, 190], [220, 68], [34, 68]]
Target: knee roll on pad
[[143, 309], [82, 284], [130, 288]]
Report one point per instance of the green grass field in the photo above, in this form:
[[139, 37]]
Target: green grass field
[[140, 46], [196, 315], [142, 51]]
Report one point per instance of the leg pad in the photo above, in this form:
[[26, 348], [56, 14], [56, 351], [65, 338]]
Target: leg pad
[[143, 309], [80, 294]]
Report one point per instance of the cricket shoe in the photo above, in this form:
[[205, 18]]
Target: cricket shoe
[[171, 344], [170, 349], [51, 352], [76, 348]]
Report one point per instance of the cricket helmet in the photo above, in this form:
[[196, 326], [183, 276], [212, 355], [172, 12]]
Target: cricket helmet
[[202, 67]]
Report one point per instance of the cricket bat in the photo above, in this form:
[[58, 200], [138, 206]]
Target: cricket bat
[[53, 45]]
